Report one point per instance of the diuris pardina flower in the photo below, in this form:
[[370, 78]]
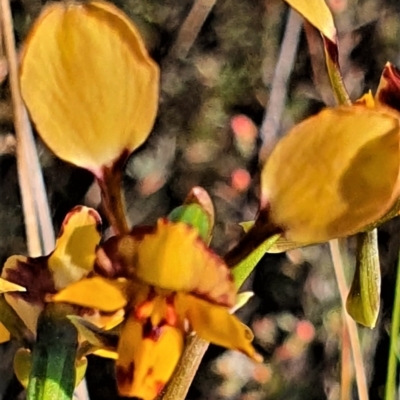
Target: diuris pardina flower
[[354, 154], [334, 174], [27, 283], [89, 84], [175, 284]]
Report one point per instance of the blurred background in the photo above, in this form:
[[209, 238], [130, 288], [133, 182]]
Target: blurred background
[[218, 87]]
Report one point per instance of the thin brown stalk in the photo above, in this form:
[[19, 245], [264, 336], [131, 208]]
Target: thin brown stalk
[[191, 28], [276, 104], [347, 371], [338, 266], [318, 65], [113, 202], [184, 374], [38, 223]]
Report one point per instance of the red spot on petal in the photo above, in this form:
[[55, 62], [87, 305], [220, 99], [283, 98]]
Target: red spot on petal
[[171, 315], [159, 386], [144, 310], [389, 92], [95, 215], [125, 375], [151, 332]]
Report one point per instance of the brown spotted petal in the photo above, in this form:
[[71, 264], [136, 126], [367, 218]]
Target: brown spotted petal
[[388, 92], [31, 274], [147, 357], [176, 259], [75, 252], [96, 293], [215, 324]]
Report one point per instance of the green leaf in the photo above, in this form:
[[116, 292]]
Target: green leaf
[[281, 245], [53, 372], [335, 75], [242, 270], [195, 216], [363, 300], [23, 366]]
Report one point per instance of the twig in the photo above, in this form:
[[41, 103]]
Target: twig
[[191, 28], [347, 371], [38, 223], [184, 374], [277, 99], [338, 266]]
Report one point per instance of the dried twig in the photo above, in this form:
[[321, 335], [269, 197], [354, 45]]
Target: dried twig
[[184, 373], [361, 379], [191, 28], [277, 99], [38, 223]]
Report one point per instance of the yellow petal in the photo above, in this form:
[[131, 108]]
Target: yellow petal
[[241, 301], [113, 355], [317, 13], [4, 334], [333, 174], [81, 366], [175, 258], [97, 292], [27, 311], [23, 366], [147, 357], [388, 91], [6, 286], [75, 251], [367, 100], [88, 82], [214, 324]]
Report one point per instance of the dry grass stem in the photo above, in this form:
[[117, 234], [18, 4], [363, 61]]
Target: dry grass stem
[[276, 103], [191, 28], [179, 385], [361, 379], [38, 223]]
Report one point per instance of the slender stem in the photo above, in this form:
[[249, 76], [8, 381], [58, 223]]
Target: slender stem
[[38, 223], [391, 375], [283, 69], [338, 266], [113, 202], [191, 28], [53, 372], [347, 373]]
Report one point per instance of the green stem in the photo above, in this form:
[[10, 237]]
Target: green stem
[[53, 357], [391, 375]]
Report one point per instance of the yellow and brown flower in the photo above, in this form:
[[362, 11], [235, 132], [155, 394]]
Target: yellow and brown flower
[[28, 283], [173, 284]]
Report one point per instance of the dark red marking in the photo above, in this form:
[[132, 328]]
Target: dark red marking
[[34, 276], [152, 332], [125, 375], [390, 93]]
